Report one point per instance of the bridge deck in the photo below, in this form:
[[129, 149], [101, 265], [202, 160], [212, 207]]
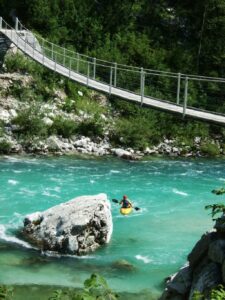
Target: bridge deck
[[100, 86]]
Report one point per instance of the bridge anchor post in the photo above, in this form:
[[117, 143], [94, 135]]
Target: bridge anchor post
[[0, 23]]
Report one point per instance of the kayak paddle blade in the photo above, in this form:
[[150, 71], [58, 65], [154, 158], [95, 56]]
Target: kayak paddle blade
[[115, 200]]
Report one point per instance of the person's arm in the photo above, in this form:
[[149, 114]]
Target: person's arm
[[130, 203]]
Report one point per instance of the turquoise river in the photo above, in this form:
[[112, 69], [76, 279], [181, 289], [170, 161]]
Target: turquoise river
[[156, 240]]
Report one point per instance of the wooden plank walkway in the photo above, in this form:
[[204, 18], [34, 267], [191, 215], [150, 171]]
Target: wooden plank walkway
[[100, 86]]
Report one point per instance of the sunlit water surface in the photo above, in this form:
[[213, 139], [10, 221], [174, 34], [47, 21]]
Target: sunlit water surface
[[156, 240]]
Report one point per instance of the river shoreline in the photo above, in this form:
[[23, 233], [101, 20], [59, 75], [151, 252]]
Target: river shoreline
[[124, 154]]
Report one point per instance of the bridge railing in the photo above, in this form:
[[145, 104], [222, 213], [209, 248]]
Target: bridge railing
[[206, 93]]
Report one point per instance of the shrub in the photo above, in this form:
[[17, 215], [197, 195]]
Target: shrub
[[137, 132], [19, 62], [2, 130], [68, 105], [71, 89], [89, 106], [94, 288], [22, 93], [64, 127], [197, 296], [218, 293], [6, 292], [91, 127], [30, 123], [210, 149], [5, 147]]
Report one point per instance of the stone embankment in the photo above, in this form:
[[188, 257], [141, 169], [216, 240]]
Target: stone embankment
[[204, 270], [78, 226]]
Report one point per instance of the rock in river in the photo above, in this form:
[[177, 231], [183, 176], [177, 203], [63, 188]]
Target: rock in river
[[78, 226]]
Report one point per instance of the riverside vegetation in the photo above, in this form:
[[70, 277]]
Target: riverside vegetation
[[94, 288], [167, 35], [43, 113]]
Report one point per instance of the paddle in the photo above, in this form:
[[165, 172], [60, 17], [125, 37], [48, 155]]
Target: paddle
[[117, 201]]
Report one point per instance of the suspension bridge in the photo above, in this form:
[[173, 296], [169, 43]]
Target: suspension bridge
[[197, 97]]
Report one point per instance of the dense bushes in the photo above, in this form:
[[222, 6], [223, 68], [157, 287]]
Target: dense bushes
[[210, 149], [63, 127], [134, 132], [91, 127], [5, 146], [2, 130], [94, 288], [29, 123]]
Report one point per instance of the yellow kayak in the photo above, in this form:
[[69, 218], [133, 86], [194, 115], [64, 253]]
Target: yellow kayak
[[126, 211]]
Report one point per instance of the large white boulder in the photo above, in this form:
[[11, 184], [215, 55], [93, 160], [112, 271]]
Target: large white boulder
[[78, 226]]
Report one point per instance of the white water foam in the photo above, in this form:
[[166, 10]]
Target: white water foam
[[11, 158], [57, 189], [8, 238], [48, 194], [175, 191], [222, 179], [13, 182], [114, 171], [145, 259], [27, 192]]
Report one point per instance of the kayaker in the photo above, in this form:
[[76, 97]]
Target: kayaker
[[125, 202]]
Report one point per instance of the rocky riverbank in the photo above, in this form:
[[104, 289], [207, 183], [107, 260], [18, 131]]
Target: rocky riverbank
[[79, 144], [204, 270], [23, 117]]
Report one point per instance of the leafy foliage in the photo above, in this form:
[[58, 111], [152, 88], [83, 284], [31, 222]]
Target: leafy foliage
[[95, 288], [64, 127], [91, 128], [216, 208], [218, 293], [197, 296], [220, 191], [5, 146], [210, 149], [57, 295], [6, 292], [2, 130], [30, 124]]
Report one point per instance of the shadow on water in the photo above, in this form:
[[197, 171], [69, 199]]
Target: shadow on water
[[33, 260]]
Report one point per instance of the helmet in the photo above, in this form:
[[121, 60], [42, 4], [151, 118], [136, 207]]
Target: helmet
[[124, 197]]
